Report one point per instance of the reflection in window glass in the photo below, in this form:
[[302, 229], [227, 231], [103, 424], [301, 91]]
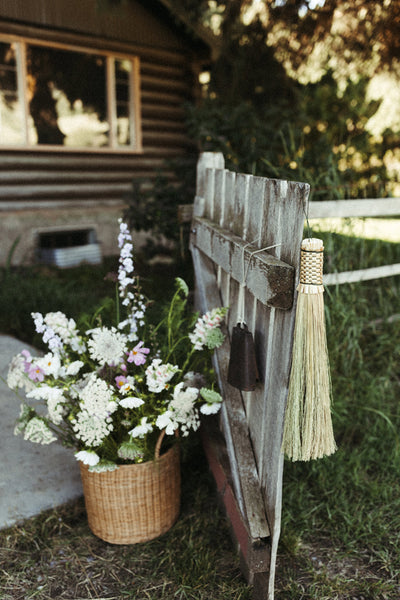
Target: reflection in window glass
[[64, 96], [67, 92], [11, 113]]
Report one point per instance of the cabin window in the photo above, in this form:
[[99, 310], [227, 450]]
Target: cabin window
[[67, 97]]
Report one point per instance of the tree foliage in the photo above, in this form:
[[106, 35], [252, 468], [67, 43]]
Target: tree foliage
[[359, 33], [322, 141], [356, 32], [287, 95], [271, 112]]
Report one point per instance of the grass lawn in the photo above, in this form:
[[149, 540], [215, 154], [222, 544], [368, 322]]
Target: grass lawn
[[56, 556], [341, 515]]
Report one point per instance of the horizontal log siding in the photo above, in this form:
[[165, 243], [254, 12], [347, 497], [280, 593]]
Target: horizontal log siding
[[166, 83], [135, 21]]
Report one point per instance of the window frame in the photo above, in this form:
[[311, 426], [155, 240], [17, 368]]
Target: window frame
[[111, 57]]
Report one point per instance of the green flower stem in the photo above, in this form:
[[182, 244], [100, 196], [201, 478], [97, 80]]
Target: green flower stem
[[65, 433], [110, 447], [187, 361], [169, 320], [172, 350], [117, 304]]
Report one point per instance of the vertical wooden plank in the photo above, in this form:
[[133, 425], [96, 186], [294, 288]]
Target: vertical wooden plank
[[209, 189], [241, 205], [219, 207], [283, 224], [231, 216], [238, 225], [226, 220], [256, 210], [259, 328], [243, 472], [230, 192], [207, 160], [219, 197]]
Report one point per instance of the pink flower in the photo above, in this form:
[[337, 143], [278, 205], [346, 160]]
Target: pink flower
[[27, 355], [137, 355], [34, 372], [125, 385], [120, 381]]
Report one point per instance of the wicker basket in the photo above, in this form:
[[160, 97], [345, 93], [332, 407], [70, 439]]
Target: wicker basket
[[134, 503]]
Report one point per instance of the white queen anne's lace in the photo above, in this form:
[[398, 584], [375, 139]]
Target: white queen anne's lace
[[107, 346], [91, 429], [97, 397], [131, 402], [94, 422], [37, 431], [103, 466]]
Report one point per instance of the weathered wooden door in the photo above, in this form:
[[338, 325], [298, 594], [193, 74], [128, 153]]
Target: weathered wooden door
[[234, 216]]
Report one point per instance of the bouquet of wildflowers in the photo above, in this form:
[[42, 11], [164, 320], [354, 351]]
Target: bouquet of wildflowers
[[110, 391]]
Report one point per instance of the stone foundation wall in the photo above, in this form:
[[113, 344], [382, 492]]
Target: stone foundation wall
[[26, 223]]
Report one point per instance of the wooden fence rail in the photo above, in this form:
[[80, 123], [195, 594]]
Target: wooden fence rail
[[371, 208], [379, 207], [375, 207], [362, 274]]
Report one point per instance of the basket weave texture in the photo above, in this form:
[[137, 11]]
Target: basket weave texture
[[135, 503]]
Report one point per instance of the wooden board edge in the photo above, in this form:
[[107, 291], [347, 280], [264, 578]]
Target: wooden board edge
[[243, 260], [254, 553]]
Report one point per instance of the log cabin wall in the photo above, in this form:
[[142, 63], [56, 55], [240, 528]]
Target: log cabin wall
[[43, 189]]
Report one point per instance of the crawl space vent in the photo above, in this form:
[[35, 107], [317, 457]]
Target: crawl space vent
[[69, 248]]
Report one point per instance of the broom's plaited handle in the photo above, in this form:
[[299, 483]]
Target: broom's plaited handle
[[311, 265]]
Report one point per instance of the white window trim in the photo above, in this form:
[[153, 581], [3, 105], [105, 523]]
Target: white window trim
[[134, 102]]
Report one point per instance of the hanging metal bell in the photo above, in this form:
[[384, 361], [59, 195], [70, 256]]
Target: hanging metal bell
[[242, 369]]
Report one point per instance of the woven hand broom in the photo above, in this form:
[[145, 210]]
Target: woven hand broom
[[308, 432]]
